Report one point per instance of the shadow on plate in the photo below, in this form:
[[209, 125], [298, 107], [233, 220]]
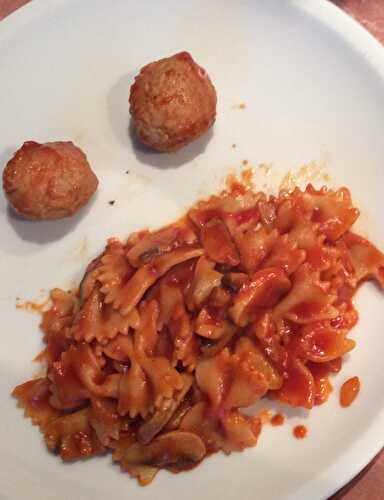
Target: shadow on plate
[[6, 155], [168, 160], [118, 111], [118, 108]]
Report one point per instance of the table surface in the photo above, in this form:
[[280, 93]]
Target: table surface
[[369, 484]]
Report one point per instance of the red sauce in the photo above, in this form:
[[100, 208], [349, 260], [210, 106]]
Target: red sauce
[[246, 215], [298, 388], [211, 320], [218, 243], [268, 285], [239, 187], [323, 386], [317, 257], [208, 214], [300, 431], [349, 390], [297, 350], [181, 274], [277, 420], [323, 389], [346, 320], [184, 56], [336, 322], [335, 365], [198, 70], [307, 309]]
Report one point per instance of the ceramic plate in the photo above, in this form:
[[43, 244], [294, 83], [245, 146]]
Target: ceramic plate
[[299, 83]]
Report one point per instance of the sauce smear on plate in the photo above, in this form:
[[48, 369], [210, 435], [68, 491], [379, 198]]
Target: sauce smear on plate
[[349, 391], [277, 420], [300, 431]]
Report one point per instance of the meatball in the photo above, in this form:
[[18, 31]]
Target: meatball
[[172, 102], [48, 181]]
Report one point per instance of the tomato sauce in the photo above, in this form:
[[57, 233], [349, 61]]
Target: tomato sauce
[[300, 431], [307, 309], [349, 391], [277, 420], [247, 215]]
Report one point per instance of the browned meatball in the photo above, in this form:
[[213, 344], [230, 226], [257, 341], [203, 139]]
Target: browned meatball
[[172, 102], [48, 181]]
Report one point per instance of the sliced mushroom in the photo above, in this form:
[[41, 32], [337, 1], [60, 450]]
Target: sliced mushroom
[[234, 281], [72, 436], [87, 284], [175, 421], [210, 349], [176, 449], [165, 240], [204, 281], [152, 245], [153, 426]]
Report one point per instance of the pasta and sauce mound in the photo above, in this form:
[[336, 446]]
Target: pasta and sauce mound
[[172, 333]]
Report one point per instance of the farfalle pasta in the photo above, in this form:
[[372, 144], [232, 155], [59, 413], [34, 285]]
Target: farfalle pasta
[[173, 332]]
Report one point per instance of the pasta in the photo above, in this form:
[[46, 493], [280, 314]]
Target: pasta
[[173, 332]]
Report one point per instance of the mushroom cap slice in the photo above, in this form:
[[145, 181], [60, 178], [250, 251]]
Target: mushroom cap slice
[[176, 449], [153, 426]]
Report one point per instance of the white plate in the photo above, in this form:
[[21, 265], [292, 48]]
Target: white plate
[[313, 84]]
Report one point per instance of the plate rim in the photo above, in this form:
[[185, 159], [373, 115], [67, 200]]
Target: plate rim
[[362, 41]]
